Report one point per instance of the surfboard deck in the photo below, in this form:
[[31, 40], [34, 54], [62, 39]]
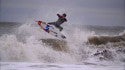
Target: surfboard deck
[[52, 30]]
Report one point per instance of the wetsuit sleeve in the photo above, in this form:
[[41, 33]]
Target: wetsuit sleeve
[[59, 15], [65, 19]]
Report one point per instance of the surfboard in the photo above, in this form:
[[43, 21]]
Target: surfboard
[[52, 30]]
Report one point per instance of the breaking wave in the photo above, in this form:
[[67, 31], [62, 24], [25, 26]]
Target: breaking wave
[[98, 40], [29, 43]]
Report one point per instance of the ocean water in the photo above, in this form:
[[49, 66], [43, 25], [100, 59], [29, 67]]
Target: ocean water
[[26, 46]]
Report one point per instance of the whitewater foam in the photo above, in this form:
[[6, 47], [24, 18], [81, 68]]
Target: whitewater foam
[[25, 45]]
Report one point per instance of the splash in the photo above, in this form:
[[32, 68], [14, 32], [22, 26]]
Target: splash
[[30, 43]]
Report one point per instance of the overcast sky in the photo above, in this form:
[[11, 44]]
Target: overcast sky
[[86, 12]]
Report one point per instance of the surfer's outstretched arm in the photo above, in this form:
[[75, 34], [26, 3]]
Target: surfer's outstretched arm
[[59, 15]]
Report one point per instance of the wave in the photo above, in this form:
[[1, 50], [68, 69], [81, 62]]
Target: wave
[[30, 43], [58, 45], [44, 50], [98, 40]]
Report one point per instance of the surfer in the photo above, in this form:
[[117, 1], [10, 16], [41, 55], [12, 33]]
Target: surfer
[[61, 19]]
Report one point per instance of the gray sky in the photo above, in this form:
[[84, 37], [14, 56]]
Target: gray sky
[[86, 12]]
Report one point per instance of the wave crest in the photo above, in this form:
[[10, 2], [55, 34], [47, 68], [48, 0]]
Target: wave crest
[[98, 40]]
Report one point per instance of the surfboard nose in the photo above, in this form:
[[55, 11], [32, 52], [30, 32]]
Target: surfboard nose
[[39, 22]]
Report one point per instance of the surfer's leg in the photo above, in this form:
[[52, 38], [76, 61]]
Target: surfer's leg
[[56, 25], [59, 27], [51, 23]]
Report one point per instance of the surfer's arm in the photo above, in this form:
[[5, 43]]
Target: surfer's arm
[[59, 15], [65, 20]]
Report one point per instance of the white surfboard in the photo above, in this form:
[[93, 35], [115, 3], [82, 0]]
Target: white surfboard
[[52, 30]]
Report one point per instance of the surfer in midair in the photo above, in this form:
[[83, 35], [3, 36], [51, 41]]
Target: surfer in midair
[[61, 20], [50, 29]]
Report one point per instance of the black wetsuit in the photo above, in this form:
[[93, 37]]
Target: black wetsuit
[[60, 20]]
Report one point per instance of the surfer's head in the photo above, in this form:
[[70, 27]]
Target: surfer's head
[[64, 15]]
